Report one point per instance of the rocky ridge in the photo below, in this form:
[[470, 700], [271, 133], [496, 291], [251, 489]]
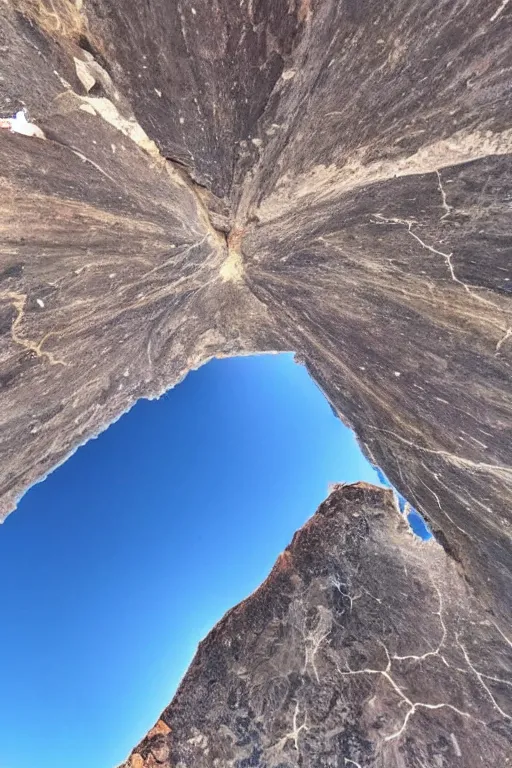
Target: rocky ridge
[[364, 647]]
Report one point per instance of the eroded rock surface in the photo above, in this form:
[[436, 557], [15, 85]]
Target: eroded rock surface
[[362, 648], [214, 178]]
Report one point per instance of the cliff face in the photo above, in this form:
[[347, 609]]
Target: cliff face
[[330, 177], [362, 648]]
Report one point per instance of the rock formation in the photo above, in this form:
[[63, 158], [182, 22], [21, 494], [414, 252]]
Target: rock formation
[[216, 177], [362, 648]]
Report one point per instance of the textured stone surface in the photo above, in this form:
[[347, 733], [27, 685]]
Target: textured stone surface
[[326, 176], [363, 647]]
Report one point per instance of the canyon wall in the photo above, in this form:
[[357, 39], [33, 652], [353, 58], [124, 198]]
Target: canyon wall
[[217, 178]]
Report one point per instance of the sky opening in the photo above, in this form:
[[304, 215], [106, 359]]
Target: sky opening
[[120, 562]]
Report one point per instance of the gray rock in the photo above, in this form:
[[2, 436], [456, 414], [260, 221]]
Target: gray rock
[[217, 178], [363, 648]]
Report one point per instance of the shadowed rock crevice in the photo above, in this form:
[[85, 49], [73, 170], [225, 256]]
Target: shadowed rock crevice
[[340, 186]]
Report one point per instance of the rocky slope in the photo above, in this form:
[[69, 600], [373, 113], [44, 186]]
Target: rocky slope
[[363, 648], [214, 178]]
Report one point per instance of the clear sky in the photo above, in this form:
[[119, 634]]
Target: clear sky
[[116, 565]]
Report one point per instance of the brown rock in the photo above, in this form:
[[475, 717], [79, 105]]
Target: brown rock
[[331, 177], [160, 728], [367, 649]]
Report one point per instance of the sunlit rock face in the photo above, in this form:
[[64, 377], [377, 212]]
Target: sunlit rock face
[[214, 178], [363, 647]]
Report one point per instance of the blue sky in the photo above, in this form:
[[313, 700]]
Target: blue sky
[[116, 566]]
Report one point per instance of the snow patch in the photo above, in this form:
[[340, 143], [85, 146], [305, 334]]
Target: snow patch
[[20, 124]]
